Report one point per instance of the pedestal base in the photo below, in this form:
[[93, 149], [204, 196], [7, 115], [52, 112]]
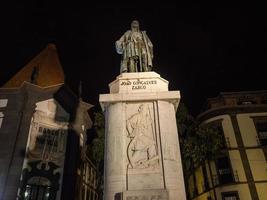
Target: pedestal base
[[142, 154], [145, 195]]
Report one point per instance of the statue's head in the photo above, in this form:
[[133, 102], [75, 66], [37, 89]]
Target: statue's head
[[141, 108], [135, 25]]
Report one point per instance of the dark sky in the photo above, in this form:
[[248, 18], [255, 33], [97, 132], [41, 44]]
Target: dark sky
[[200, 50]]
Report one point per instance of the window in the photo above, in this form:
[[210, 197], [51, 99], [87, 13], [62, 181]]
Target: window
[[230, 196], [34, 192], [246, 100], [38, 188], [1, 118], [262, 132], [264, 100], [220, 131], [205, 176], [217, 124], [224, 170], [3, 103], [49, 139]]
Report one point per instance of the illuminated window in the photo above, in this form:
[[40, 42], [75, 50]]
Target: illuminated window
[[49, 138], [3, 103], [38, 188], [33, 192], [246, 100], [230, 195], [1, 118], [262, 132], [224, 170]]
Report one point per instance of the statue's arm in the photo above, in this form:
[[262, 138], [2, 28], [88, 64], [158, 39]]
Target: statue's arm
[[119, 45], [150, 45], [129, 128]]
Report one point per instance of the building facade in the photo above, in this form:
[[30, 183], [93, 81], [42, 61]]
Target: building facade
[[240, 171], [43, 128]]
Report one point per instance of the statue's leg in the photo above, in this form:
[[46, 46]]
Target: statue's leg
[[144, 61], [131, 66], [136, 59], [123, 66]]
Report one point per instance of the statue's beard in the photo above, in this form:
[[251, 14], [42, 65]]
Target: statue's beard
[[135, 29]]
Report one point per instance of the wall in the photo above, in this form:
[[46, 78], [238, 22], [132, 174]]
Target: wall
[[46, 142]]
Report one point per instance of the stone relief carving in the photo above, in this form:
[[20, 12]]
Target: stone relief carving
[[142, 148]]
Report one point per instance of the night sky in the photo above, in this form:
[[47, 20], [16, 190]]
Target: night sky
[[200, 50]]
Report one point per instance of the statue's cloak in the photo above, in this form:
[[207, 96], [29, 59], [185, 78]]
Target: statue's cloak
[[127, 47]]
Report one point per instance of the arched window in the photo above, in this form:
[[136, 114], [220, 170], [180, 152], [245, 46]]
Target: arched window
[[38, 188]]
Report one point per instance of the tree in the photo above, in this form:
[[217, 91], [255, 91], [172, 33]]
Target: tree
[[98, 143], [198, 141], [97, 146]]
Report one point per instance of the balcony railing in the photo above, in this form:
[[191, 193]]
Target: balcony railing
[[216, 179]]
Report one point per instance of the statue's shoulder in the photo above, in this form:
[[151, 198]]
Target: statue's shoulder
[[144, 32], [127, 33], [133, 117]]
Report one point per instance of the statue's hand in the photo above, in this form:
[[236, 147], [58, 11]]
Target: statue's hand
[[131, 136], [149, 68], [119, 47]]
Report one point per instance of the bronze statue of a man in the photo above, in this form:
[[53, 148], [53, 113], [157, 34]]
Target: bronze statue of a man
[[136, 49]]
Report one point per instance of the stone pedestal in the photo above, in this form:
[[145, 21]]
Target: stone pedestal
[[142, 153]]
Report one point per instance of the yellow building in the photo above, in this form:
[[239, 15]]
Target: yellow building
[[240, 171]]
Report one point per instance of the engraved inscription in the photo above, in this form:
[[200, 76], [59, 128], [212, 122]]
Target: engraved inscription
[[138, 84]]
